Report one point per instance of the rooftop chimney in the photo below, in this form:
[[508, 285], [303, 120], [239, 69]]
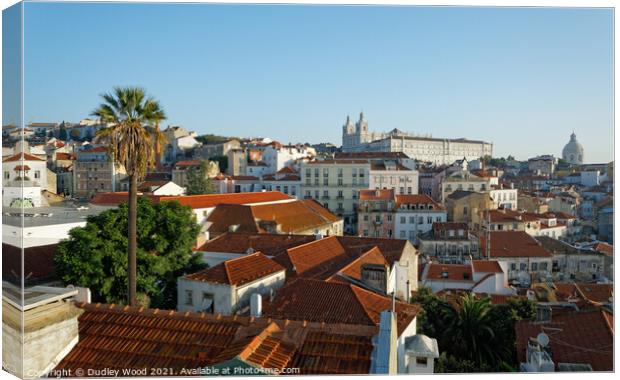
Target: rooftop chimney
[[385, 360]]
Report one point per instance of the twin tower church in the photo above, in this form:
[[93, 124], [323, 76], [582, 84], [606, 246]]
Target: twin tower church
[[356, 137]]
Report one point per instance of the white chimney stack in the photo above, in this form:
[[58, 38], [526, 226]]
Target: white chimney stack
[[256, 305]]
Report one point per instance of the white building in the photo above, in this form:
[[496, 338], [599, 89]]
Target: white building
[[227, 287], [278, 157], [393, 175], [415, 214], [478, 276], [504, 197], [439, 151]]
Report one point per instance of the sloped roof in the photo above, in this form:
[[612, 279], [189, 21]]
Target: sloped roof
[[239, 271], [376, 195], [416, 199], [449, 272], [314, 257], [487, 266], [577, 337], [354, 269], [513, 244], [120, 337], [22, 157], [212, 200], [392, 249], [269, 244], [333, 302]]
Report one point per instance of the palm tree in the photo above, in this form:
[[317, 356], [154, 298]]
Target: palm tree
[[133, 136], [470, 326]]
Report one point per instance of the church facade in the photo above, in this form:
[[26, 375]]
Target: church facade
[[357, 138]]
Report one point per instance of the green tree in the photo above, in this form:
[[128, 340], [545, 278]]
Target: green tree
[[198, 181], [75, 134], [134, 138], [94, 256], [62, 132]]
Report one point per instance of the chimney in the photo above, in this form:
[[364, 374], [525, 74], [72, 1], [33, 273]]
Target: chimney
[[256, 305], [384, 354]]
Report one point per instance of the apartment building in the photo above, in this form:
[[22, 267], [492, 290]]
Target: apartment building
[[94, 172], [336, 185]]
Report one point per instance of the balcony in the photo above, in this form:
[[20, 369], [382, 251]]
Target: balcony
[[307, 196], [325, 197], [340, 197]]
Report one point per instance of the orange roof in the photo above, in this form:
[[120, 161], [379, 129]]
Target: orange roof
[[21, 167], [487, 266], [113, 198], [513, 244], [295, 216], [212, 200], [449, 272], [290, 217], [123, 337], [238, 271], [312, 255], [186, 163], [269, 244], [576, 337], [64, 156], [22, 157], [392, 249], [333, 302], [605, 248], [287, 170], [595, 293], [354, 269], [416, 199], [376, 195]]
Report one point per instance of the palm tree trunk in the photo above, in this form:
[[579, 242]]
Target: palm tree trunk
[[133, 201]]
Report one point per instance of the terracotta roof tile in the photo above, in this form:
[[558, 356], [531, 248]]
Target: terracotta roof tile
[[392, 249], [375, 195], [449, 272], [487, 266], [64, 156], [354, 269], [332, 302], [595, 293], [22, 157], [238, 271], [269, 244], [417, 199], [98, 149], [513, 244], [212, 200], [576, 337], [605, 248]]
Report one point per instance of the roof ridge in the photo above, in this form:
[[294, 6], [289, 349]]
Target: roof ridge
[[355, 289], [359, 257]]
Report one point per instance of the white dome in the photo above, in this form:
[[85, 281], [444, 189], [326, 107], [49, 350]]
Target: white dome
[[573, 151]]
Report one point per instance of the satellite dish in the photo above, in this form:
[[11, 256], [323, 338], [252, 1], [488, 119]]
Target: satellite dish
[[543, 339]]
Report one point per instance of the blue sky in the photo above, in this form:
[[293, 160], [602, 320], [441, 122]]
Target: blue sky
[[523, 78]]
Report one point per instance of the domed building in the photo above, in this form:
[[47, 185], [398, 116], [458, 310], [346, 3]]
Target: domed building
[[573, 151]]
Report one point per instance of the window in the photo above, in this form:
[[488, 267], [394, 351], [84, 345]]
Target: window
[[316, 172], [6, 175], [523, 266], [207, 302], [412, 220], [402, 190], [339, 172], [339, 181], [37, 174], [402, 234], [389, 217], [534, 266], [403, 219], [377, 218], [421, 220], [409, 190], [429, 220], [189, 297], [316, 194], [366, 233], [365, 217], [543, 266], [325, 193]]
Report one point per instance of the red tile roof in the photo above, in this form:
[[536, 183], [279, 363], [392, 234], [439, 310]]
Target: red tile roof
[[333, 302], [238, 271], [376, 195], [187, 163], [22, 157], [595, 293], [449, 272], [269, 244], [113, 198], [392, 249], [354, 269], [117, 337], [513, 244], [64, 156], [577, 337], [314, 255], [605, 248], [212, 200], [22, 167], [287, 169], [487, 266]]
